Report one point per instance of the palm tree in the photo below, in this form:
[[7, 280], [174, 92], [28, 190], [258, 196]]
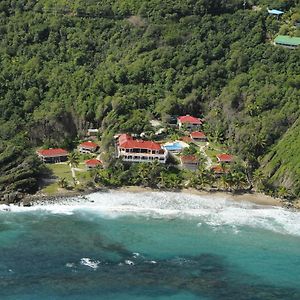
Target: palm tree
[[143, 174], [259, 179], [73, 161]]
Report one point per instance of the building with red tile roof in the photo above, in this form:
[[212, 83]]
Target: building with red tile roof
[[53, 155], [225, 158], [133, 150], [189, 160], [218, 170], [88, 147], [186, 139], [198, 136], [189, 122], [92, 163], [124, 137]]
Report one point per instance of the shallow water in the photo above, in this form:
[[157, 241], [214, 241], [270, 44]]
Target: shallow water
[[149, 246]]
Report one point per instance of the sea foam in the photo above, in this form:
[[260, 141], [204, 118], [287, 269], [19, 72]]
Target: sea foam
[[213, 210]]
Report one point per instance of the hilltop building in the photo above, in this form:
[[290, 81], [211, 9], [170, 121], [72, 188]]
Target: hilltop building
[[92, 163], [287, 41], [53, 155], [189, 122], [134, 150], [88, 147], [198, 136], [224, 158], [189, 160]]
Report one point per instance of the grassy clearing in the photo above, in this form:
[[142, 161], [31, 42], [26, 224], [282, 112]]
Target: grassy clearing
[[61, 171], [64, 171]]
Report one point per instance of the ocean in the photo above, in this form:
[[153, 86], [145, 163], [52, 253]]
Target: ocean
[[149, 245]]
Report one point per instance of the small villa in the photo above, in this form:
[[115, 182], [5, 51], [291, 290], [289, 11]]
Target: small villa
[[53, 155], [287, 41], [88, 147], [224, 158], [198, 136], [92, 163], [189, 160], [186, 139], [189, 122], [134, 150]]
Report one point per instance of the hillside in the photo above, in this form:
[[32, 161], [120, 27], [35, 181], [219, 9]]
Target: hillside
[[118, 64]]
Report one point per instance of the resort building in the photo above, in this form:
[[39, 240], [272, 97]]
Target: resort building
[[92, 163], [133, 150], [189, 160], [88, 147], [53, 155], [287, 41], [224, 158], [198, 136], [189, 122]]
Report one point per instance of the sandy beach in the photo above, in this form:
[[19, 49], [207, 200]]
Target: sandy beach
[[255, 198]]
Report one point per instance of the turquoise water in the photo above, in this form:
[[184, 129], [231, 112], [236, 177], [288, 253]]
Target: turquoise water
[[149, 246]]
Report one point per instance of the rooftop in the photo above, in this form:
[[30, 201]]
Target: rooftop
[[218, 169], [93, 162], [140, 144], [189, 159], [124, 137], [275, 12], [88, 144], [189, 119], [198, 134], [186, 139], [287, 40], [224, 157], [52, 152]]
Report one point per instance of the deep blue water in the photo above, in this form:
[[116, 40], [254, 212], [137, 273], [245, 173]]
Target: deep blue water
[[149, 246]]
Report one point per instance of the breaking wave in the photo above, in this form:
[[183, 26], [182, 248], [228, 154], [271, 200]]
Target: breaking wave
[[212, 210]]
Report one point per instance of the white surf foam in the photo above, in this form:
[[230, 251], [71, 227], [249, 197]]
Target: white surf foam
[[93, 264], [213, 210]]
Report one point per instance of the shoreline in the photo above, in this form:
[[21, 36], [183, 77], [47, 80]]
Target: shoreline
[[255, 198], [252, 197]]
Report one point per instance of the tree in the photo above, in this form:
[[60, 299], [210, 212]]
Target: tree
[[73, 161]]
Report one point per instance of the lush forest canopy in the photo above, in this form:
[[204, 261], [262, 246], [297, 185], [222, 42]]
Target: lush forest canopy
[[70, 65]]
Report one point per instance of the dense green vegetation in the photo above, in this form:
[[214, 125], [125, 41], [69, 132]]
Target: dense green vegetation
[[69, 65]]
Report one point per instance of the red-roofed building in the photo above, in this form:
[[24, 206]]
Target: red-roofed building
[[218, 170], [88, 147], [92, 163], [189, 160], [124, 137], [198, 136], [132, 150], [53, 155], [189, 122], [186, 139], [224, 158]]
